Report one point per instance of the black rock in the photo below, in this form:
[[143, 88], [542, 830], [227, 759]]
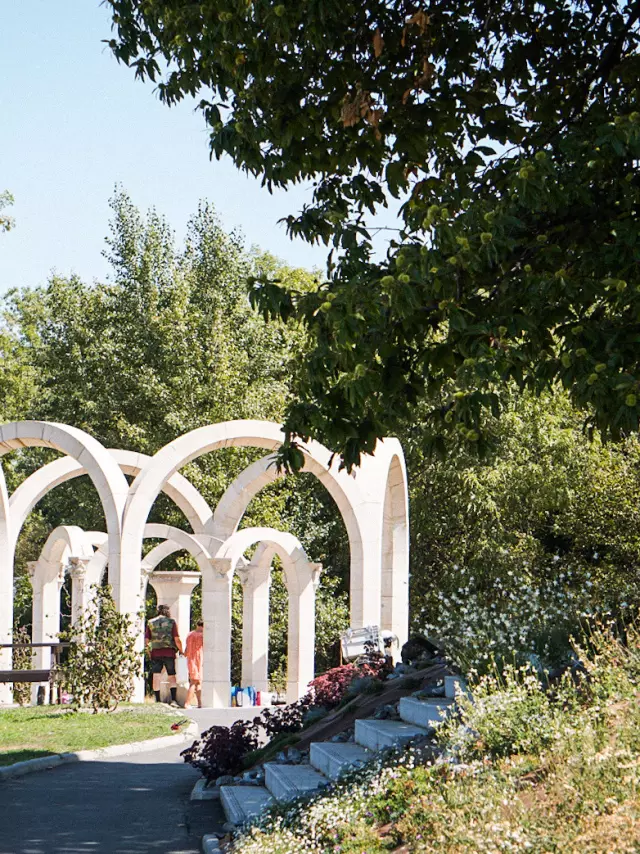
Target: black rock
[[429, 691], [418, 648]]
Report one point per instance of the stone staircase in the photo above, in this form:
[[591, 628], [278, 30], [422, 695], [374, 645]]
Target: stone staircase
[[328, 760]]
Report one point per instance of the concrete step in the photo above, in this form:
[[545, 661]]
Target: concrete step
[[375, 735], [286, 782], [240, 803], [450, 683], [336, 758], [424, 713]]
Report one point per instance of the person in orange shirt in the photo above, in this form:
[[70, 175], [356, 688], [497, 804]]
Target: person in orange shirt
[[193, 651]]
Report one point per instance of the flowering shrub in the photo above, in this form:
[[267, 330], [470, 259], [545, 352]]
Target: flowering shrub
[[221, 750], [574, 791], [289, 718], [517, 616], [374, 664], [511, 713]]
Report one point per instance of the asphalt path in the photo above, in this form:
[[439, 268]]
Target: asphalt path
[[126, 805]]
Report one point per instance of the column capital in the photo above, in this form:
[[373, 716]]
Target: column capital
[[145, 576], [244, 575], [78, 567], [178, 581], [222, 568], [316, 572], [301, 575], [252, 576]]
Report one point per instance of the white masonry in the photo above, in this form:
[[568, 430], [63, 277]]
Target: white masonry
[[372, 502]]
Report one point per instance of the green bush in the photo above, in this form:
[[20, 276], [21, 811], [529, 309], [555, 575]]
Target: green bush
[[511, 550], [527, 769], [102, 661], [22, 661]]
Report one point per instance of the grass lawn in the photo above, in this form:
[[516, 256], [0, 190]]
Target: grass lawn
[[31, 732]]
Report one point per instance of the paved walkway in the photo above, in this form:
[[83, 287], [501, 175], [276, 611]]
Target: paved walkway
[[127, 805]]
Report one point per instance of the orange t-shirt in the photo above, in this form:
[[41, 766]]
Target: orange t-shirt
[[193, 651]]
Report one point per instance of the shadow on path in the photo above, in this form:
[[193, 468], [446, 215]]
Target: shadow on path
[[126, 806]]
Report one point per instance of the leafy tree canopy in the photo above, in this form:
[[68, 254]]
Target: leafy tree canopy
[[512, 133], [516, 547], [167, 344], [6, 222]]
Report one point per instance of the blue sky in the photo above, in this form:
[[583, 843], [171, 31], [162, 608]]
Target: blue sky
[[74, 123]]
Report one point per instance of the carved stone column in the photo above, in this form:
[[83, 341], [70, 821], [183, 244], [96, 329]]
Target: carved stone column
[[81, 594], [301, 586], [255, 581], [216, 615], [47, 580]]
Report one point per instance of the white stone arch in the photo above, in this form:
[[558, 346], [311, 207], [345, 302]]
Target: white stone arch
[[353, 504], [97, 538], [237, 497], [301, 577], [112, 489], [379, 586], [287, 546], [394, 610], [174, 540], [64, 541], [37, 485]]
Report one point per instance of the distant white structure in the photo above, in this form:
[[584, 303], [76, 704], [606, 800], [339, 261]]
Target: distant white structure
[[372, 502]]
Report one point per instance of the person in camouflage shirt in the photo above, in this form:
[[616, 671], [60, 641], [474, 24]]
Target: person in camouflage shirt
[[163, 641]]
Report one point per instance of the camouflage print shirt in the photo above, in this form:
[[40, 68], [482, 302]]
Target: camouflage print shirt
[[161, 634]]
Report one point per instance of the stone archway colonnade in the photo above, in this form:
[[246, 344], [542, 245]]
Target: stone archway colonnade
[[372, 502]]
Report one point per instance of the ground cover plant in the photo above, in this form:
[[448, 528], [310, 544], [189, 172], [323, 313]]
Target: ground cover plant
[[29, 733], [528, 767]]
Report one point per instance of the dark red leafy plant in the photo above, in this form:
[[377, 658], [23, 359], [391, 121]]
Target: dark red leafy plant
[[221, 750]]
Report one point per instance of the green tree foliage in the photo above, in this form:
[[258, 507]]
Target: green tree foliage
[[6, 222], [512, 133], [510, 552], [169, 343], [22, 660], [102, 660]]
